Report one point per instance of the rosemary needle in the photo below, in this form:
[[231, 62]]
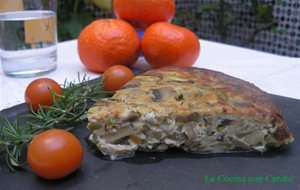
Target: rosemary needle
[[71, 107]]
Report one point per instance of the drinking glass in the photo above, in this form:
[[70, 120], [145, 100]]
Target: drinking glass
[[28, 37]]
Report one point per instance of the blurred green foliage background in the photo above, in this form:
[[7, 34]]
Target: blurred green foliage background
[[74, 15], [245, 23]]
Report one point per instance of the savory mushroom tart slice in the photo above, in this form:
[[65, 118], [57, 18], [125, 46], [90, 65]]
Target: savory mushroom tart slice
[[197, 110]]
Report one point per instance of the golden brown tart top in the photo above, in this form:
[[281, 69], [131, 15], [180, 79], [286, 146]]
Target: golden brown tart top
[[182, 91]]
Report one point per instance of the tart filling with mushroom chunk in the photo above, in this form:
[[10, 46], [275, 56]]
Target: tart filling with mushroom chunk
[[193, 109]]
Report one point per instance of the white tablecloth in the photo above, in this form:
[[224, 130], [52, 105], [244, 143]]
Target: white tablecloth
[[275, 74]]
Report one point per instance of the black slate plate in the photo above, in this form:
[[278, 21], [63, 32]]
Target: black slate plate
[[173, 169]]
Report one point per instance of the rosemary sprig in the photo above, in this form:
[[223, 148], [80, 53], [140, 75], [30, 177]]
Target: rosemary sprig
[[71, 107]]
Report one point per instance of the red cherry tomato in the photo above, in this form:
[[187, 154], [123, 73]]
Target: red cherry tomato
[[116, 76], [37, 92], [54, 154]]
